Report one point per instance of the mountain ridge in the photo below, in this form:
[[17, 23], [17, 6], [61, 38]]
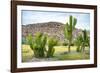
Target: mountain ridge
[[52, 29]]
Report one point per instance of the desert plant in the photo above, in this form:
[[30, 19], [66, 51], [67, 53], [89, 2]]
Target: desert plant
[[85, 40], [82, 41], [78, 42], [38, 44], [51, 43], [88, 41], [41, 46], [29, 40], [68, 30]]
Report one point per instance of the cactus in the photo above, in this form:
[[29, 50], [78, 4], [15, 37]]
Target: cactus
[[38, 44], [51, 43], [78, 42], [81, 41], [85, 40], [68, 30]]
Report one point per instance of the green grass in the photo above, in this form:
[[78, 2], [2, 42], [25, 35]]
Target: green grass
[[73, 56], [60, 49], [60, 53]]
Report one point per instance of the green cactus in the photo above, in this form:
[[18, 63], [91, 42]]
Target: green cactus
[[82, 40], [68, 30], [78, 42], [51, 43], [85, 40], [38, 44]]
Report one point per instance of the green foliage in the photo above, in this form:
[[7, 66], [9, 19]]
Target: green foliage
[[88, 41], [73, 56], [78, 42], [29, 40], [51, 43], [68, 30], [38, 44], [82, 41], [85, 40]]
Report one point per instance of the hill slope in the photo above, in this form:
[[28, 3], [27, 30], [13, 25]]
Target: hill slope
[[52, 29]]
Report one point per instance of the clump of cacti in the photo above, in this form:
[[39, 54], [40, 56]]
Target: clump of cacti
[[38, 45], [51, 43], [82, 41]]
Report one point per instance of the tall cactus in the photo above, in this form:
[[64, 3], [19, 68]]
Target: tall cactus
[[68, 30]]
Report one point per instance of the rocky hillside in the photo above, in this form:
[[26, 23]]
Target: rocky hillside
[[52, 29]]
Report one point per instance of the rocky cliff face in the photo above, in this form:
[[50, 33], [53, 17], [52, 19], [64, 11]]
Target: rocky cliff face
[[52, 29]]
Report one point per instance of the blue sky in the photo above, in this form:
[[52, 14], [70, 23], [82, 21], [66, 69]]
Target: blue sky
[[31, 17]]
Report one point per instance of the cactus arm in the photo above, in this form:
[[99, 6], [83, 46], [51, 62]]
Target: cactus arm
[[74, 23], [71, 22]]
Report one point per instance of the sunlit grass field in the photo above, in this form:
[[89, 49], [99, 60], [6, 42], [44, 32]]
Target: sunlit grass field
[[61, 53]]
